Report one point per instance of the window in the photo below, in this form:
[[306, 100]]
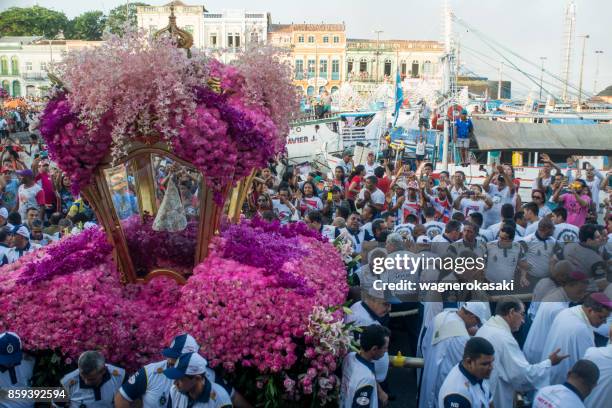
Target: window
[[349, 66], [299, 69], [213, 40], [310, 90], [334, 89], [403, 69], [254, 37], [152, 29], [387, 71], [326, 39], [16, 89], [415, 69], [311, 38], [321, 90], [363, 65], [43, 66], [301, 39], [336, 39], [230, 40], [335, 70], [28, 66], [311, 68], [323, 68], [14, 66], [427, 68], [237, 40], [3, 65], [189, 29]]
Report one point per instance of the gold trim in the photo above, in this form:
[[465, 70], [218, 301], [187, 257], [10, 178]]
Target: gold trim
[[183, 38]]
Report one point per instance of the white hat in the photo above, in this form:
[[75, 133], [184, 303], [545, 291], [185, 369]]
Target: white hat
[[423, 240], [478, 309], [181, 344], [3, 212], [187, 364], [21, 230]]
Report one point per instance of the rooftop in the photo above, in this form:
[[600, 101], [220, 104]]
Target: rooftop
[[20, 39], [306, 27], [606, 92]]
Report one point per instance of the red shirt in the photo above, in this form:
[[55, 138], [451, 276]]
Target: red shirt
[[350, 195], [47, 186], [383, 184]]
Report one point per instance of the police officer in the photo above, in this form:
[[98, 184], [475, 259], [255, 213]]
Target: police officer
[[94, 383], [581, 380], [149, 384], [191, 388], [15, 368], [467, 385], [359, 387]]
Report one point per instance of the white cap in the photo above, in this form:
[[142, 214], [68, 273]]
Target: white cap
[[3, 212], [187, 364], [478, 309], [423, 240], [21, 230], [181, 344]]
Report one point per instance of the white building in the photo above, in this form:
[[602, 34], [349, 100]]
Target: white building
[[224, 32], [24, 62]]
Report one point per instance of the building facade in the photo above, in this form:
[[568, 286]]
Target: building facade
[[24, 62], [317, 54], [224, 33]]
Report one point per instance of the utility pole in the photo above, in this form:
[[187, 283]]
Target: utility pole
[[597, 54], [499, 85], [378, 32], [542, 75], [584, 38]]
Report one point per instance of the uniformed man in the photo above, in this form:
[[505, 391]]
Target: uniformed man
[[359, 387], [467, 385], [149, 384], [15, 369], [94, 383], [581, 379], [191, 388], [21, 245]]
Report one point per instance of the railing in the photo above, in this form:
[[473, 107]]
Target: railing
[[37, 76], [207, 15], [248, 15]]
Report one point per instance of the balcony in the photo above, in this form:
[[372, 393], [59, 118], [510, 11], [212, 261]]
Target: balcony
[[323, 75], [35, 76]]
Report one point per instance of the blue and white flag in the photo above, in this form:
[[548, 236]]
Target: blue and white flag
[[399, 96]]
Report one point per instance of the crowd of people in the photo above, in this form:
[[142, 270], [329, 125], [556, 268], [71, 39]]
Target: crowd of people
[[549, 343]]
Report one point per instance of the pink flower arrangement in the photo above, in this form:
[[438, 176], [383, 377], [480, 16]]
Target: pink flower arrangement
[[136, 88]]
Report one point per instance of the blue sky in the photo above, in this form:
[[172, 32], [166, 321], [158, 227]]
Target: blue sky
[[531, 28]]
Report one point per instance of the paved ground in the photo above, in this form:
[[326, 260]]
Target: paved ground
[[402, 381]]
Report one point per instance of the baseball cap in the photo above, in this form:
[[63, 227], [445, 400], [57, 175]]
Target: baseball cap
[[422, 239], [576, 276], [602, 298], [478, 309], [25, 173], [21, 230], [348, 152], [187, 364], [3, 212], [10, 349], [181, 344]]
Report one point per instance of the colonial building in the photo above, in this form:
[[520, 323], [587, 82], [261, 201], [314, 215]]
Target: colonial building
[[371, 62], [316, 51], [24, 62], [225, 32]]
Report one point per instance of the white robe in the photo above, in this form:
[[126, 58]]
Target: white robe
[[601, 395], [448, 343], [573, 334], [511, 371], [548, 310]]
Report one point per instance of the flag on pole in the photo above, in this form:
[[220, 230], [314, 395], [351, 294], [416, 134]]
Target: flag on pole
[[399, 96]]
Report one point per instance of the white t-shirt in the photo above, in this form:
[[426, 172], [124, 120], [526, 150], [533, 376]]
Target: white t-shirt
[[370, 168], [27, 198], [565, 232], [420, 148], [378, 197], [434, 228], [282, 211], [499, 198], [469, 206], [502, 262]]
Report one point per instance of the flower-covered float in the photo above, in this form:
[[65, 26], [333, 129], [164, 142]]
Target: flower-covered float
[[155, 138]]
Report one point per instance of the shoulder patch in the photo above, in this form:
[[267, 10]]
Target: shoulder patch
[[213, 395], [72, 382], [159, 370], [116, 373]]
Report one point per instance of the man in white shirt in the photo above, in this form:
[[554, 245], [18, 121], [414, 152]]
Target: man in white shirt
[[572, 331], [602, 357], [467, 385], [451, 331], [371, 164], [502, 193], [432, 227], [472, 201], [505, 258], [469, 241], [508, 215], [371, 194], [512, 371], [564, 232], [540, 250], [530, 211], [581, 380], [16, 369], [359, 387]]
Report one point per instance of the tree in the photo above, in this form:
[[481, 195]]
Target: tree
[[34, 20], [118, 17], [87, 26]]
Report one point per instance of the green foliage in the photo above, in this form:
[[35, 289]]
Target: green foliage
[[122, 15], [88, 26], [49, 368], [34, 20]]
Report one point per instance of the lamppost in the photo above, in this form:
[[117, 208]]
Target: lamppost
[[584, 38], [597, 54], [542, 75], [378, 32]]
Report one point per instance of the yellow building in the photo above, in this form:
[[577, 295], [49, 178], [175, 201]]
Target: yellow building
[[317, 54]]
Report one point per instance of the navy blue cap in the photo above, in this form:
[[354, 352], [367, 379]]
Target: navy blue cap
[[10, 349], [184, 343]]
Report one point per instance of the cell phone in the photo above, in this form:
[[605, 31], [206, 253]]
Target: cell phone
[[329, 196]]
